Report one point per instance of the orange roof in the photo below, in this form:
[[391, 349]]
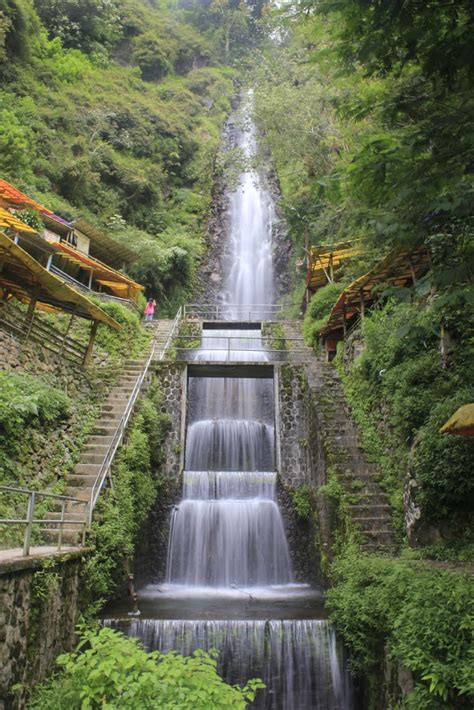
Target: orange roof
[[9, 221], [18, 199]]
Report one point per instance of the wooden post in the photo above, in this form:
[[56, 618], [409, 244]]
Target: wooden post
[[30, 314], [71, 321], [90, 346], [331, 267], [344, 326], [362, 303]]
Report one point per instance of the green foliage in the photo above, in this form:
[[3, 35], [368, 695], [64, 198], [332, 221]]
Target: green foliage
[[81, 24], [423, 617], [121, 511], [318, 311], [303, 502], [401, 395], [132, 340], [26, 400], [108, 669]]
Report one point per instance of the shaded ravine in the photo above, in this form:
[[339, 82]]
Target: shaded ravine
[[229, 580]]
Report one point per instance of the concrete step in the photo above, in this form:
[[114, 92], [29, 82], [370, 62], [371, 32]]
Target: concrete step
[[95, 458], [83, 480], [68, 537], [78, 492], [107, 417], [360, 508], [372, 497], [69, 516], [384, 536], [104, 428], [374, 523], [99, 440], [116, 406], [86, 469]]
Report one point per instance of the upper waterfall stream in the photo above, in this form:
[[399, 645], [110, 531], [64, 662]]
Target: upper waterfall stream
[[229, 579]]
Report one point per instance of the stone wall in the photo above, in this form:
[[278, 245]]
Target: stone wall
[[292, 423], [39, 609], [173, 382]]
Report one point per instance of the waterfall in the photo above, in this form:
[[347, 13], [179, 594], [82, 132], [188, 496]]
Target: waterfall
[[229, 580], [299, 661], [224, 535], [249, 283]]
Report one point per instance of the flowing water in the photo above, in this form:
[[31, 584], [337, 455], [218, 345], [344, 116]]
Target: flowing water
[[228, 558]]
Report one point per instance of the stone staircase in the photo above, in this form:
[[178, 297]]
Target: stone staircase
[[81, 481], [368, 504]]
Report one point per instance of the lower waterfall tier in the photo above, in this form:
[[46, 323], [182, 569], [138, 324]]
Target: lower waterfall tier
[[299, 661], [223, 542]]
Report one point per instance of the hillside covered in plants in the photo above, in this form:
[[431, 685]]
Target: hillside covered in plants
[[112, 110]]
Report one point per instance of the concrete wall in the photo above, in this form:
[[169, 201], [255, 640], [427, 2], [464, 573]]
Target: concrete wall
[[39, 609]]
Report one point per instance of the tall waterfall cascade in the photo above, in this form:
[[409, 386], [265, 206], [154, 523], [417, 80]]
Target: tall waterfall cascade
[[229, 579]]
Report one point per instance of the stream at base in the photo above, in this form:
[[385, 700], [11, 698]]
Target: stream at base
[[229, 582]]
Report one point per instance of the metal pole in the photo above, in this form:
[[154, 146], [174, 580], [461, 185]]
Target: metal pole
[[29, 525], [61, 523], [228, 348]]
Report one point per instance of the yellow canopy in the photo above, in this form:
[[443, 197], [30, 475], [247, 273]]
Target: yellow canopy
[[9, 221], [461, 423], [324, 260]]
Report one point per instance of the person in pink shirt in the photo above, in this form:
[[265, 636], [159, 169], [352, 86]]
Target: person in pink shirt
[[150, 309]]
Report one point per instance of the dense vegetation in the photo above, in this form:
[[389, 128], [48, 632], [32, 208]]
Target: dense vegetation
[[420, 618], [111, 671], [112, 109], [367, 110]]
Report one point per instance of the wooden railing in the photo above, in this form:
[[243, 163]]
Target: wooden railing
[[14, 321]]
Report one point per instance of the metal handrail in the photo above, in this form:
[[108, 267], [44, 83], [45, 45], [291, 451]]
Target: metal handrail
[[230, 311], [30, 520], [104, 470], [67, 277]]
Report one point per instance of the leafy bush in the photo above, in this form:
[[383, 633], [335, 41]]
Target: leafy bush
[[422, 618], [26, 400], [318, 311], [110, 670], [131, 340], [303, 502]]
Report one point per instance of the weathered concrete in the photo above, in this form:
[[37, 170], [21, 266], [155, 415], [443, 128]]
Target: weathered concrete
[[39, 609]]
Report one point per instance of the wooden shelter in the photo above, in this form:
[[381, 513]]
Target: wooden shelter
[[103, 247], [400, 268], [70, 261], [325, 261], [23, 278]]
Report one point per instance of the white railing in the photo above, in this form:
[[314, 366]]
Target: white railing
[[234, 312], [30, 519], [104, 470]]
